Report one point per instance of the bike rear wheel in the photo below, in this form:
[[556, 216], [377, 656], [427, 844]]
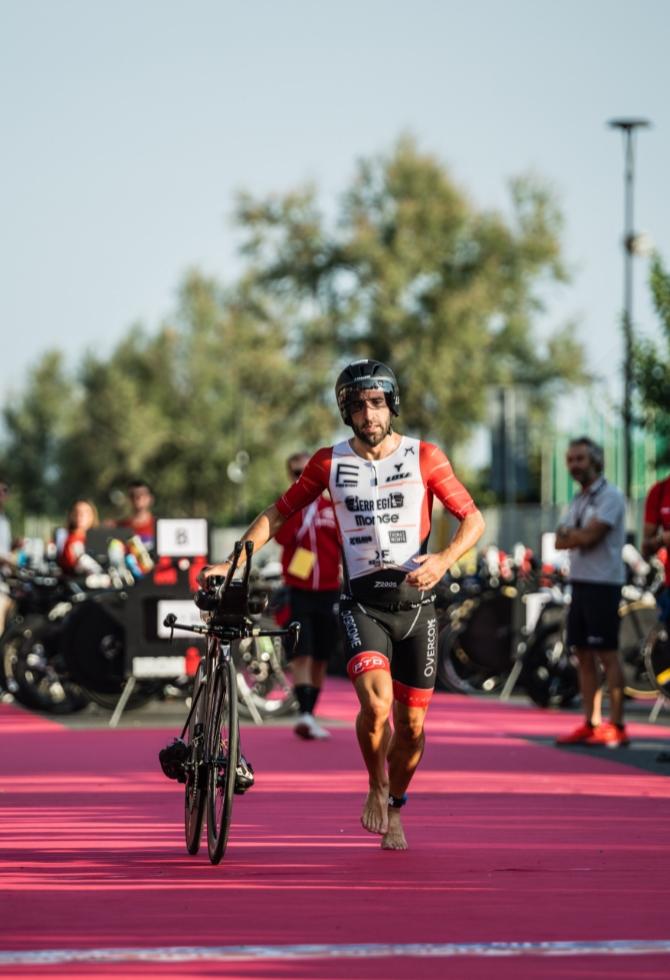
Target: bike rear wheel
[[195, 791], [223, 744], [30, 667], [549, 675], [458, 672]]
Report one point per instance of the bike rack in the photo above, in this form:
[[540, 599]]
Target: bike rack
[[661, 702]]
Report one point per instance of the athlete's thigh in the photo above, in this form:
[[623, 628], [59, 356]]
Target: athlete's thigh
[[367, 644], [414, 662]]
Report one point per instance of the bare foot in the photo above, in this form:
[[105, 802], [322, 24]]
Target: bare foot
[[394, 839], [375, 811]]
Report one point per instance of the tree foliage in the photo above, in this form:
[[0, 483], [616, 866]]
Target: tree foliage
[[415, 275], [652, 361], [410, 272]]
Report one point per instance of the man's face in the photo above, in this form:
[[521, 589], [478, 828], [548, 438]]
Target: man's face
[[580, 465], [370, 416], [140, 498]]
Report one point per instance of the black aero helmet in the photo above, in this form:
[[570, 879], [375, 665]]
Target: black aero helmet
[[360, 376]]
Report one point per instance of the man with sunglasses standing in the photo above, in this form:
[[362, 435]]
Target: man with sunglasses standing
[[594, 531], [382, 485], [311, 569]]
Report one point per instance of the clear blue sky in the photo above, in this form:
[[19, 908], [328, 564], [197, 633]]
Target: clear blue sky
[[128, 126]]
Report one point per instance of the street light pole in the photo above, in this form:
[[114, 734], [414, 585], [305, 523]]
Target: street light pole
[[628, 128]]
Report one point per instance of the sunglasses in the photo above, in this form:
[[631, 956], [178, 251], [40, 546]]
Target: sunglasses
[[358, 404], [296, 473]]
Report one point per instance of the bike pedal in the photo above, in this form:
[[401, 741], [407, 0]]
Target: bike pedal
[[173, 759], [244, 776]]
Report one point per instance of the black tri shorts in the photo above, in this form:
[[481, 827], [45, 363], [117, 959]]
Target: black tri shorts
[[318, 623], [402, 642], [593, 618]]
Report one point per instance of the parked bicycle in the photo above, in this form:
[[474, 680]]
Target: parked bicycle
[[207, 757], [32, 668], [501, 633]]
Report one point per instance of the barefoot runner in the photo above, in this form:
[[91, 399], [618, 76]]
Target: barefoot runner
[[382, 485]]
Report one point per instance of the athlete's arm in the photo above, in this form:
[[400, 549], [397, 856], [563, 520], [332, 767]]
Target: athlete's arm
[[259, 532], [441, 481], [266, 525], [582, 537], [434, 566], [653, 536]]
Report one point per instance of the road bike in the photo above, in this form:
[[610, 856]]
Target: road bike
[[207, 756]]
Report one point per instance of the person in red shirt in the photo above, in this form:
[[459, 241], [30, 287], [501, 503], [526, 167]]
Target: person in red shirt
[[142, 520], [311, 569], [72, 557], [656, 536], [382, 485]]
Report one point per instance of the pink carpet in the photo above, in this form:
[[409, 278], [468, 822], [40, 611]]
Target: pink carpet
[[510, 841]]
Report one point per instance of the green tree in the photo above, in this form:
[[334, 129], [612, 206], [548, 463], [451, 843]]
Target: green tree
[[652, 361], [36, 424], [410, 272], [180, 406], [414, 274]]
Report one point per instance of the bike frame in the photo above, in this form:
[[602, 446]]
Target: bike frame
[[225, 608]]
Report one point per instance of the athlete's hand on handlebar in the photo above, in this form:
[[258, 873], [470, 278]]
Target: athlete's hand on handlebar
[[430, 571], [213, 571]]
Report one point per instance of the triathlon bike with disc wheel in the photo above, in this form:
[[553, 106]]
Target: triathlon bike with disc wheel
[[207, 757]]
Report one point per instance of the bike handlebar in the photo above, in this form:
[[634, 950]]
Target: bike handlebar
[[230, 604]]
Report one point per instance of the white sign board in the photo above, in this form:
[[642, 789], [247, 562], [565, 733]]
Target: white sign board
[[185, 538], [159, 666], [186, 612]]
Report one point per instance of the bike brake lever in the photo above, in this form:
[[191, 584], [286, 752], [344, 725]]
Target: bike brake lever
[[169, 622], [294, 630]]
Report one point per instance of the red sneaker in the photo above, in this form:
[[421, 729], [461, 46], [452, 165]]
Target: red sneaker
[[580, 734], [609, 735]]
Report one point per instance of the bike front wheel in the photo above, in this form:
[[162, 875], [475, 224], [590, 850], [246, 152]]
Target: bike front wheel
[[223, 746], [196, 775]]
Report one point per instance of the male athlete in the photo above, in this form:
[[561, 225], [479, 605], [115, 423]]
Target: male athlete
[[382, 486]]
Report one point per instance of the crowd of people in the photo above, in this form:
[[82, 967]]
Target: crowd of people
[[71, 545]]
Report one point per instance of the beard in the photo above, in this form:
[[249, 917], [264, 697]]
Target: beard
[[372, 437]]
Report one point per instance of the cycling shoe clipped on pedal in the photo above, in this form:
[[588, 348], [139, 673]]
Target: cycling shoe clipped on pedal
[[244, 776], [173, 759]]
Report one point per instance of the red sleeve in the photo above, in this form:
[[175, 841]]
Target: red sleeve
[[72, 551], [314, 480], [441, 481], [288, 530], [652, 506]]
